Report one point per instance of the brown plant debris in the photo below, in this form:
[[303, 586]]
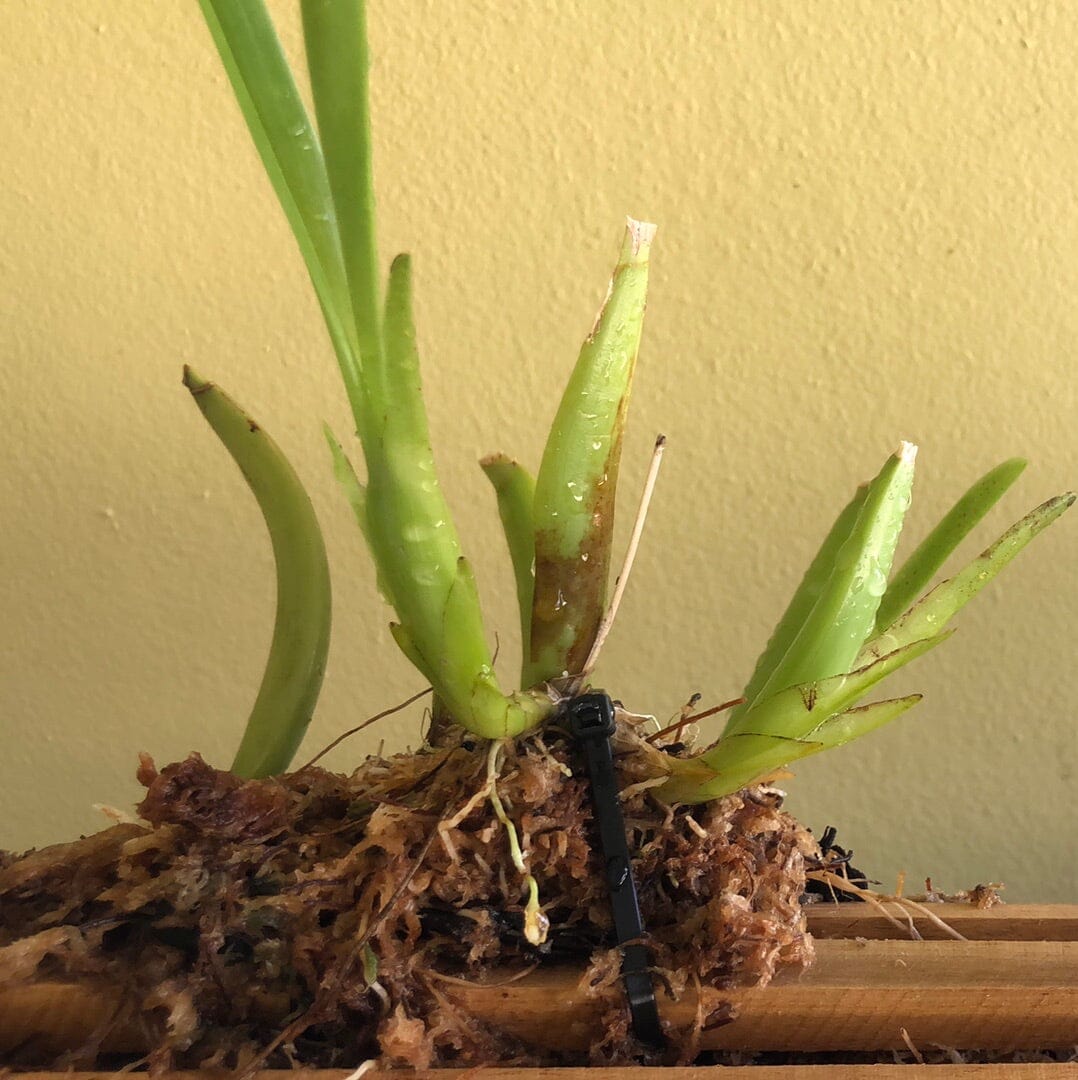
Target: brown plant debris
[[321, 920]]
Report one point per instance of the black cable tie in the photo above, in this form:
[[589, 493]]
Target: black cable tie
[[591, 720]]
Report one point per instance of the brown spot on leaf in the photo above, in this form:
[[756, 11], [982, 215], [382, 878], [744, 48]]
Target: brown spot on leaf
[[570, 590]]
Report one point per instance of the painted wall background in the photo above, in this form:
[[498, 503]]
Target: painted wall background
[[868, 228]]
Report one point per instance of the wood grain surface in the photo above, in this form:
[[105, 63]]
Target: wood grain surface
[[746, 1072], [1013, 987]]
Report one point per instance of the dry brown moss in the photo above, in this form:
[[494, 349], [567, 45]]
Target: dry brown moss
[[315, 915]]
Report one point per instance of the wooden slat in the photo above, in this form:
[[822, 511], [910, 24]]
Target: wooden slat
[[742, 1072], [857, 996], [1005, 922], [61, 1016]]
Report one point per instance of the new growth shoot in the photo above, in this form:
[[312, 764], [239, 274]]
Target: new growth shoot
[[297, 658], [831, 646]]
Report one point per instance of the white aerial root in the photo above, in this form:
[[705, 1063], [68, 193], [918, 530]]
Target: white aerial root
[[536, 924], [627, 793], [444, 827], [696, 826], [878, 900], [627, 565], [911, 1046], [549, 758], [362, 1070]]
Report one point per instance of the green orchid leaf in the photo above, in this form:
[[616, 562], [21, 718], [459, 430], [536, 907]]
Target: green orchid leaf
[[861, 720], [798, 711], [804, 600], [575, 488], [292, 156], [749, 759], [820, 715], [408, 521], [297, 657], [325, 187], [345, 475], [356, 493], [335, 36], [918, 570], [515, 491], [833, 631], [794, 718], [932, 613]]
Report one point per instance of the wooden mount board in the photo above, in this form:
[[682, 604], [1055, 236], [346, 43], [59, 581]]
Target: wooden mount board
[[746, 1072], [1013, 987], [859, 995], [1004, 922]]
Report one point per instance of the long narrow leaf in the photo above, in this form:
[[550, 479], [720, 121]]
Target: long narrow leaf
[[835, 629], [932, 613], [408, 522], [297, 658], [862, 720], [804, 599], [335, 34], [918, 570], [515, 490], [356, 494], [575, 488], [292, 156], [798, 711], [748, 759], [416, 546], [345, 475]]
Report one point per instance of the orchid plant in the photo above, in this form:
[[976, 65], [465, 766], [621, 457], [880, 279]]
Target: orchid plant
[[851, 622]]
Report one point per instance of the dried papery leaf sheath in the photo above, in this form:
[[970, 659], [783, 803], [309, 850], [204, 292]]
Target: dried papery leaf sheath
[[297, 658], [575, 488]]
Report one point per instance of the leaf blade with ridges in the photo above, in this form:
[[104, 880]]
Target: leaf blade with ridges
[[909, 581]]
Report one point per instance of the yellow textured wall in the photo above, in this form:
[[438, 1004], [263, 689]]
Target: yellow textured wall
[[868, 232]]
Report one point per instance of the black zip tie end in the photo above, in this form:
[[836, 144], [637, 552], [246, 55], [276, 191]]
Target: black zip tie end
[[591, 720]]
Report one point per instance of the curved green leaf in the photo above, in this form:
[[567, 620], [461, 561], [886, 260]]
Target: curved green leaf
[[297, 658], [515, 491]]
